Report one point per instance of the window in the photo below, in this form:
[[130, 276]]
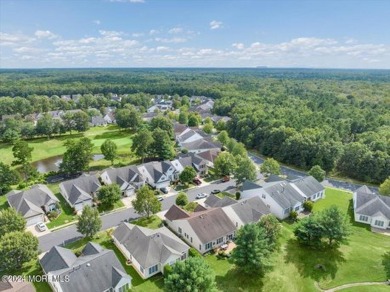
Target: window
[[191, 239], [142, 270], [363, 218], [236, 224], [219, 240], [297, 208], [200, 247], [379, 223], [124, 288], [180, 231], [208, 245], [153, 269], [286, 211], [183, 256], [263, 196]]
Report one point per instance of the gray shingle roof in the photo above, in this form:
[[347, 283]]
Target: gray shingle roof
[[248, 185], [95, 272], [124, 174], [202, 144], [175, 212], [209, 155], [369, 204], [30, 202], [250, 210], [308, 185], [215, 201], [149, 247], [284, 194], [80, 189], [211, 224]]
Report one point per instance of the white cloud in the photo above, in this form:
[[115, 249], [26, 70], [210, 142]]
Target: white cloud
[[154, 31], [45, 34], [137, 34], [97, 22], [238, 46], [7, 39], [171, 40], [175, 30], [215, 24]]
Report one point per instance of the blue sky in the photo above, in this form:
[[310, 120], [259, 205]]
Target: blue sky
[[194, 33]]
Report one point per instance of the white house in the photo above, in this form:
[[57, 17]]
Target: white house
[[149, 250], [204, 230], [158, 174], [371, 209]]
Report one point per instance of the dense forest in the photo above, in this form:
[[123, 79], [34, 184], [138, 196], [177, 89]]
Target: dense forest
[[338, 119]]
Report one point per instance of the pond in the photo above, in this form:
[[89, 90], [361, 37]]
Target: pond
[[53, 163]]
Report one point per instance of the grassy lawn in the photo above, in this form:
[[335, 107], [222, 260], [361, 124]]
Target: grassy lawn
[[44, 148], [66, 215], [153, 222], [103, 208], [359, 260], [211, 176], [226, 194], [3, 202]]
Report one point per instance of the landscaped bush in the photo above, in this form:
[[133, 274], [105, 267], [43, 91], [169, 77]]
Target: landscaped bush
[[238, 195], [308, 206], [193, 252], [167, 270], [293, 215], [52, 215]]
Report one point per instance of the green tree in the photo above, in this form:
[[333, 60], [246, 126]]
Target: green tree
[[45, 125], [239, 150], [109, 195], [309, 231], [272, 228], [193, 120], [224, 164], [146, 202], [142, 143], [183, 117], [77, 156], [10, 220], [193, 274], [270, 166], [81, 121], [89, 222], [187, 175], [317, 172], [21, 152], [8, 177], [223, 137], [335, 225], [10, 136], [109, 150], [244, 170], [384, 188], [128, 118], [182, 199], [252, 252], [163, 123], [17, 248], [162, 145], [208, 128]]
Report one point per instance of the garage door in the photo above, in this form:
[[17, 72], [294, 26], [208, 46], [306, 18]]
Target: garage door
[[34, 220]]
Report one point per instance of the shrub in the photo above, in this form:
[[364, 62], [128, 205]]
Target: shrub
[[167, 270], [238, 195], [182, 199], [184, 151], [308, 206], [293, 215], [193, 252], [52, 215]]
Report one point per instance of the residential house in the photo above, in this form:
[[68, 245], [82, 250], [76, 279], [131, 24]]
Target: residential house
[[202, 145], [246, 211], [158, 174], [149, 250], [190, 159], [190, 136], [128, 178], [179, 129], [80, 192], [206, 106], [204, 230], [33, 203], [308, 187], [98, 121], [209, 156], [214, 201], [371, 209], [56, 115], [96, 269], [147, 117], [109, 117]]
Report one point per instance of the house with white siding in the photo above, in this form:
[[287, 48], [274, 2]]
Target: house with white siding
[[371, 209], [148, 250]]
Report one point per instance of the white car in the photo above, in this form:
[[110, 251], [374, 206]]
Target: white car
[[201, 196], [160, 198], [41, 227]]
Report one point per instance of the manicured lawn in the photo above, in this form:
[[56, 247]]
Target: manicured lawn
[[116, 205], [3, 202], [373, 288], [153, 222], [294, 266], [226, 194], [44, 148], [66, 215]]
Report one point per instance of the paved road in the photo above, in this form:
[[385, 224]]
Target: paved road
[[69, 234], [327, 182]]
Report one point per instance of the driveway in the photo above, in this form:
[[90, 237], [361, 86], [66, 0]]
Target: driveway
[[69, 234], [36, 232]]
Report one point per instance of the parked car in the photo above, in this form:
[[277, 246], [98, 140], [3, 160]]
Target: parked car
[[215, 192], [197, 181], [160, 198], [201, 196], [225, 178], [41, 227], [164, 190]]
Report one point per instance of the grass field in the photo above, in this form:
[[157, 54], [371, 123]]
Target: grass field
[[153, 222], [44, 148]]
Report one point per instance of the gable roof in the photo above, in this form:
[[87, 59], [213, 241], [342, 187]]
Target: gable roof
[[283, 194], [308, 185], [155, 169], [80, 189], [369, 204], [93, 272], [149, 247], [215, 201], [204, 144], [248, 185], [209, 155], [250, 210], [124, 174], [175, 213], [30, 202]]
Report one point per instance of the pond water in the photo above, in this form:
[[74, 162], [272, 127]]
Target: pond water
[[53, 163]]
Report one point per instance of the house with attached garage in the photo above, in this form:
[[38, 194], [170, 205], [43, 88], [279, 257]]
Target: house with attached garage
[[371, 209], [204, 230], [96, 269], [209, 156], [128, 178], [214, 201], [80, 192], [308, 187], [190, 159], [202, 145], [149, 250], [34, 203], [158, 174]]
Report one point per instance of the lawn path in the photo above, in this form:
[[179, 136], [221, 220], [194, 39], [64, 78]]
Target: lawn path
[[338, 288]]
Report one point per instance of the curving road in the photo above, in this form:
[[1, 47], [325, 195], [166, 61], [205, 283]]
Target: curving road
[[69, 234], [330, 182]]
